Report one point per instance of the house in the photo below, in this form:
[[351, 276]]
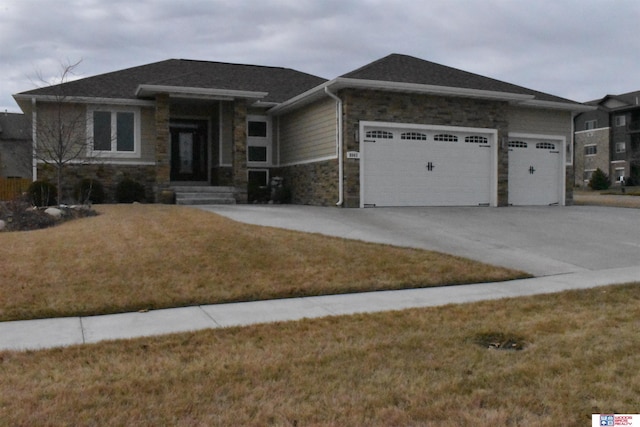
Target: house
[[15, 146], [400, 131], [608, 138]]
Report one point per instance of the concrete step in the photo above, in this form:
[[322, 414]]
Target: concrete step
[[201, 195]]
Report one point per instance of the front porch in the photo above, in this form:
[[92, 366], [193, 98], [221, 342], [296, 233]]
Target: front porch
[[201, 149]]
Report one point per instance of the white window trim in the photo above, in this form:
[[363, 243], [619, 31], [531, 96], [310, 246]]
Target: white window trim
[[590, 145], [113, 153], [624, 144], [620, 120], [255, 141]]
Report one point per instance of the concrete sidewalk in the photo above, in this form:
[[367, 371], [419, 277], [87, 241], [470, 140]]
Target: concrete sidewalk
[[49, 333]]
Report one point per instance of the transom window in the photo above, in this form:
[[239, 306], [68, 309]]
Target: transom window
[[518, 144], [115, 132], [414, 136], [476, 139], [590, 150], [379, 134], [445, 137], [546, 146]]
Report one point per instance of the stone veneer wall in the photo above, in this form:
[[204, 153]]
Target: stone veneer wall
[[312, 183], [240, 177], [369, 105], [598, 137], [108, 175]]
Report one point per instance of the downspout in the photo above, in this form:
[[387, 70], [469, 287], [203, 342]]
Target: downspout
[[34, 133], [340, 144]]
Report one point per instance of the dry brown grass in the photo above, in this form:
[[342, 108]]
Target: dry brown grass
[[417, 367], [134, 257], [614, 198]]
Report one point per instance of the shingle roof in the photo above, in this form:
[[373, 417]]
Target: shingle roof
[[280, 83], [407, 69]]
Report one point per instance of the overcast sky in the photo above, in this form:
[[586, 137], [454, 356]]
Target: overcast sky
[[581, 50]]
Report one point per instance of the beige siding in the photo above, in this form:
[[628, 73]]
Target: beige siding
[[308, 134], [539, 121]]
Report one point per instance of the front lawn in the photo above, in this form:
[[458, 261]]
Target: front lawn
[[139, 257], [436, 366]]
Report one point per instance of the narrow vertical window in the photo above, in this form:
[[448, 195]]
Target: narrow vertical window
[[102, 130], [124, 133]]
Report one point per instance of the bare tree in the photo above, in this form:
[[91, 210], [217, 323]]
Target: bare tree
[[61, 128]]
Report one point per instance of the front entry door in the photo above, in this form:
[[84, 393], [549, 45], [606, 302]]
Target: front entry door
[[189, 154]]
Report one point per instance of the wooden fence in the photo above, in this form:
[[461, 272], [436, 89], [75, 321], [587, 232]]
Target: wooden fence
[[12, 188]]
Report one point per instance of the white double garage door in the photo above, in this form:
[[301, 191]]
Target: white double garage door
[[421, 165]]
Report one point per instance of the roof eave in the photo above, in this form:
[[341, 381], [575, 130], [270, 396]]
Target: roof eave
[[343, 83], [553, 105], [28, 99], [146, 90]]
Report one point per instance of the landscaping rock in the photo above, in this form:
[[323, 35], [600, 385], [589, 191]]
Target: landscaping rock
[[54, 212]]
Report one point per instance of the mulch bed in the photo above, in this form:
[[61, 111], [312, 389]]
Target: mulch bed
[[22, 216]]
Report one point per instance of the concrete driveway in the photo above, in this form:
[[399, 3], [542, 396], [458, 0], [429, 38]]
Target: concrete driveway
[[542, 241]]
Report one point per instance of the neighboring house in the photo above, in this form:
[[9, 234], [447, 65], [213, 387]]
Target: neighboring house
[[608, 138], [15, 146], [400, 131]]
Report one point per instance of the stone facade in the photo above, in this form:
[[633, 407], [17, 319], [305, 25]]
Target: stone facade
[[369, 105], [163, 145], [240, 176], [108, 175], [585, 164], [312, 183]]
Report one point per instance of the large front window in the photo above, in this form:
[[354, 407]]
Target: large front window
[[114, 132]]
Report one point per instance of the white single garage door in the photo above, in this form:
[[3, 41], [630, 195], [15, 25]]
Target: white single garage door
[[535, 167], [413, 165]]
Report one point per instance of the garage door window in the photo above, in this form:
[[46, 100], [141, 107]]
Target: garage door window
[[517, 144], [445, 137], [476, 139], [545, 146], [416, 136], [379, 134]]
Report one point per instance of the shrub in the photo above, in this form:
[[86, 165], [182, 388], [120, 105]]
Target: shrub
[[599, 180], [129, 191], [89, 190], [42, 193]]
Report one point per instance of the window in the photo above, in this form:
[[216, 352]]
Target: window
[[257, 128], [590, 150], [414, 136], [546, 146], [587, 174], [518, 144], [619, 174], [445, 137], [257, 154], [620, 120], [476, 139], [258, 140], [379, 134], [590, 124], [621, 147], [114, 132]]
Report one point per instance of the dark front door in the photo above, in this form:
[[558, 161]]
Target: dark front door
[[189, 154]]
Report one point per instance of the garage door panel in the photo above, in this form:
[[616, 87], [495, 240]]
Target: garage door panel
[[403, 172], [534, 172]]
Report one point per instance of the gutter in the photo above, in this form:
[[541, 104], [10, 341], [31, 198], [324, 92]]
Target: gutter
[[340, 146]]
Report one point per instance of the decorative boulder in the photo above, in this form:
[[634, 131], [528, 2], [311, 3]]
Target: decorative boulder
[[54, 212]]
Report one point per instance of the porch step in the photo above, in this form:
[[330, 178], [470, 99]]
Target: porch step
[[203, 195]]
